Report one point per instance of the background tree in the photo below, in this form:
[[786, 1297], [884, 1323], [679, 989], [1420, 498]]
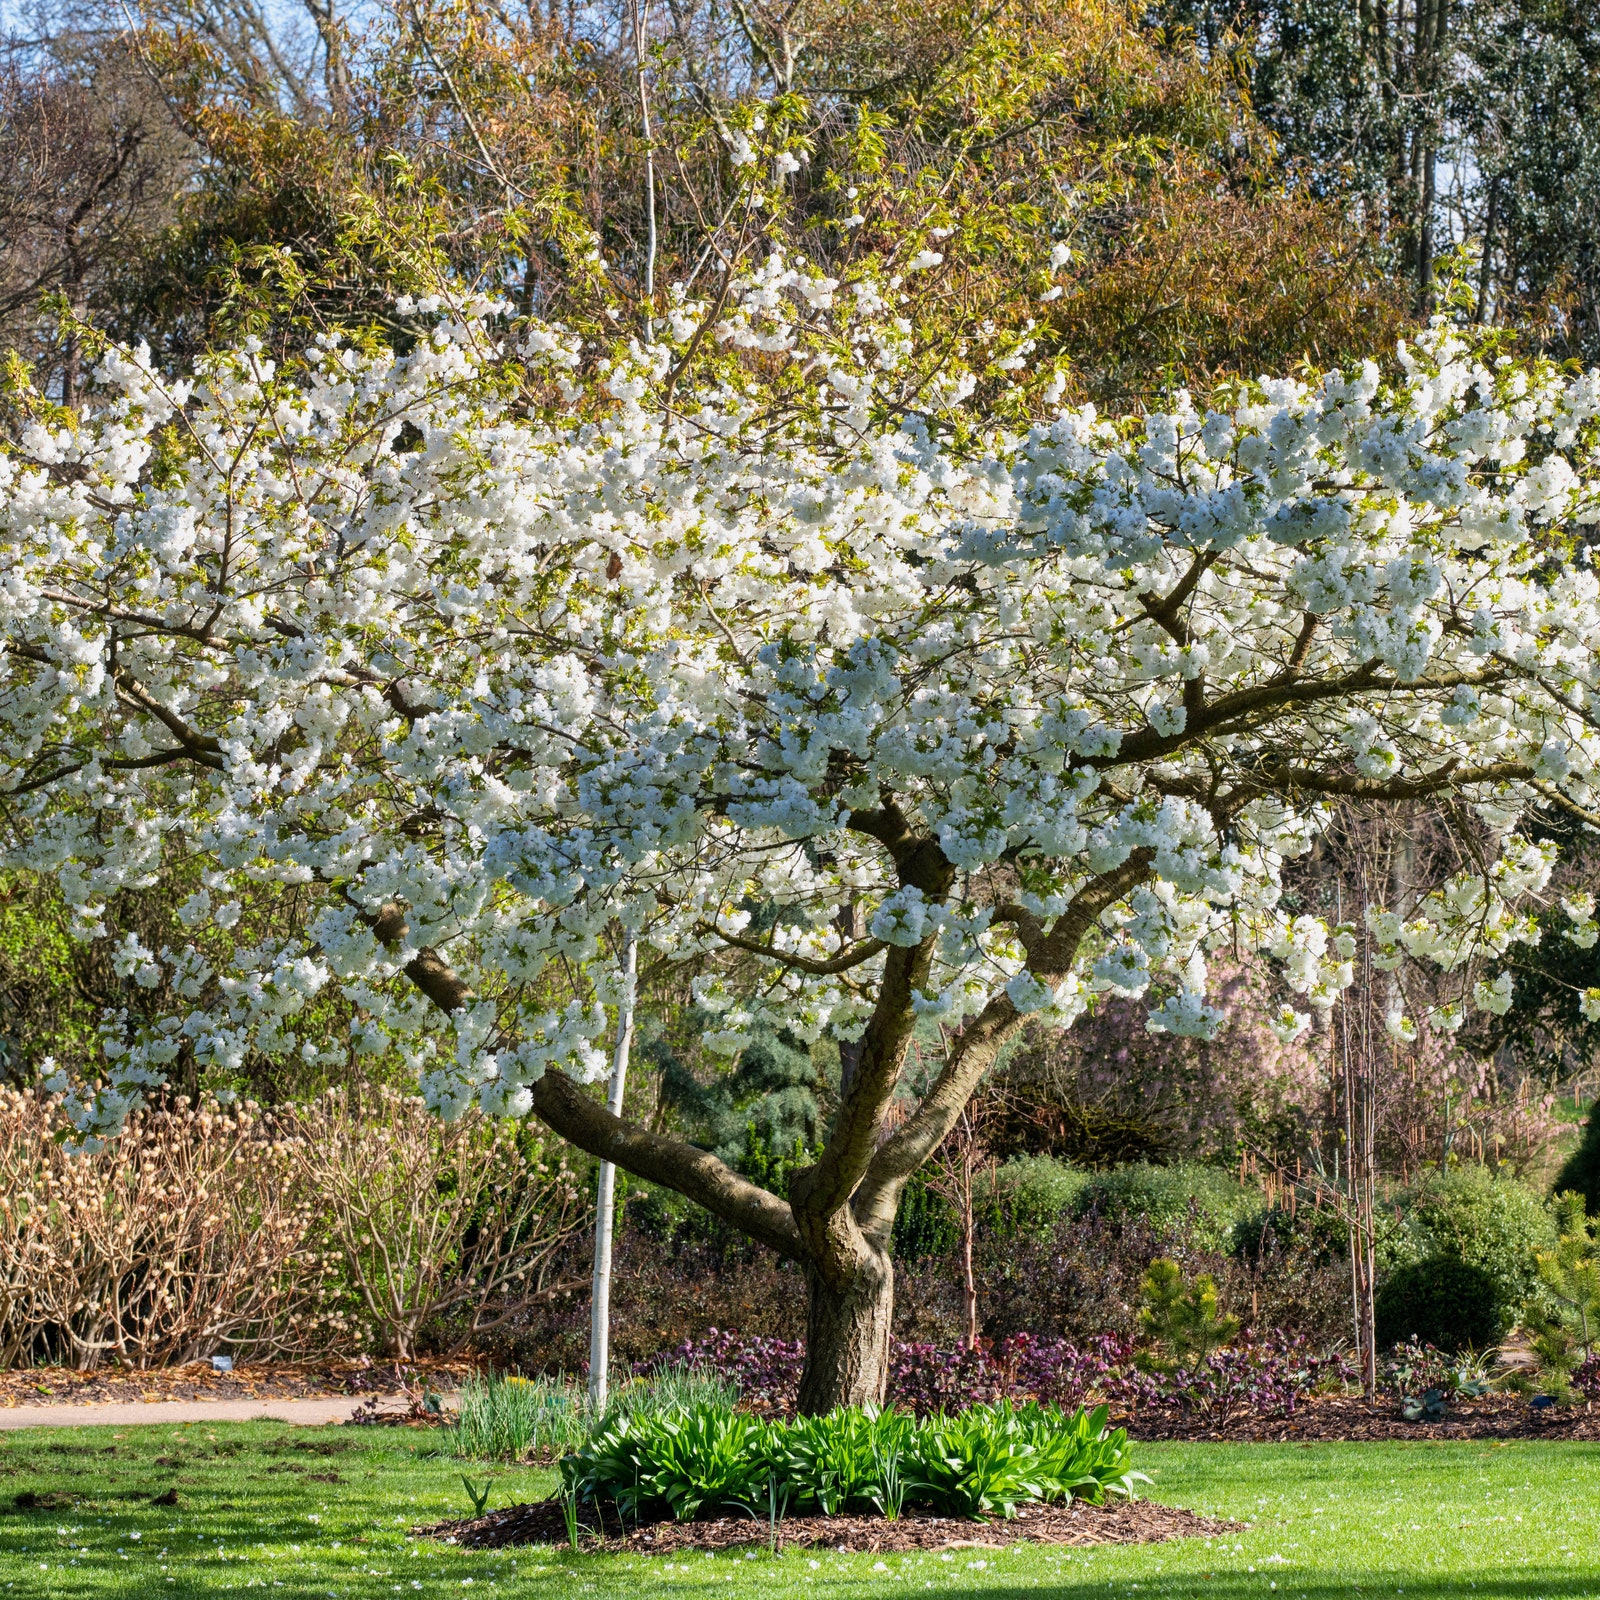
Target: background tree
[[502, 147], [1454, 125], [92, 169]]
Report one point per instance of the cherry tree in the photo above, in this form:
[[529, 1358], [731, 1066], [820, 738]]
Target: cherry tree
[[796, 671]]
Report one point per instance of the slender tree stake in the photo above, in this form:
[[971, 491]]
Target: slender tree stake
[[605, 1203]]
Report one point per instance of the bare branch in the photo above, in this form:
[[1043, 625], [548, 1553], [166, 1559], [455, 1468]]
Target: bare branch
[[843, 962]]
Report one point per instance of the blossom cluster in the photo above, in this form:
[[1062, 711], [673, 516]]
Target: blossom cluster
[[533, 642]]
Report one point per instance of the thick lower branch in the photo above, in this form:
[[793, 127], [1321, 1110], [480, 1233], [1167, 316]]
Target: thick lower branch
[[696, 1174], [562, 1105], [819, 1191], [1050, 958]]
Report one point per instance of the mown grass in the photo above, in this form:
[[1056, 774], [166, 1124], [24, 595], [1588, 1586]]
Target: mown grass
[[303, 1512]]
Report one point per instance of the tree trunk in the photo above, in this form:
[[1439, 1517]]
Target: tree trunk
[[847, 1337]]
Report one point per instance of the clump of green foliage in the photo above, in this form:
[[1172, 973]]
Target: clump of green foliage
[[507, 1417], [983, 1462], [1183, 1322], [1566, 1336], [1581, 1172], [1489, 1221], [1443, 1301]]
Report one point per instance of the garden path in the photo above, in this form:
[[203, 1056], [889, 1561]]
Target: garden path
[[125, 1414]]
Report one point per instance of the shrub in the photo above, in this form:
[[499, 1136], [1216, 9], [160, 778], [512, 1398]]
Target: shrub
[[1565, 1337], [926, 1223], [1320, 1237], [925, 1378], [1581, 1171], [1442, 1301], [1204, 1202], [1267, 1377], [1037, 1191], [207, 1228], [433, 1221], [1184, 1323], [185, 1236], [984, 1461], [1496, 1224]]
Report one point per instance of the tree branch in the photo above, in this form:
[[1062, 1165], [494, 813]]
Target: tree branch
[[1050, 957], [843, 962], [694, 1173], [562, 1105], [1449, 776]]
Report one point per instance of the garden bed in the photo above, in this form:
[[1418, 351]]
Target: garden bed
[[1347, 1418], [1075, 1523], [199, 1380]]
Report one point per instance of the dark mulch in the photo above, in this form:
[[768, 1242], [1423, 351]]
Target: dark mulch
[[1332, 1418], [264, 1380], [1143, 1522]]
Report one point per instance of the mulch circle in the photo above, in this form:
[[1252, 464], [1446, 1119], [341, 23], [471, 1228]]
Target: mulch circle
[[1076, 1523], [1328, 1419]]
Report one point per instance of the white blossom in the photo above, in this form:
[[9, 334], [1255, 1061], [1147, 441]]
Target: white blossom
[[366, 630]]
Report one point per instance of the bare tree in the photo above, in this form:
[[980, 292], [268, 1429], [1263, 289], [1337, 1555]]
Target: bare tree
[[91, 165]]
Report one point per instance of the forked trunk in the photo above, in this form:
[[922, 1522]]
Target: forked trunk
[[847, 1338]]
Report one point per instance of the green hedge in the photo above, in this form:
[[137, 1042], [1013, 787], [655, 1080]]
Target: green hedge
[[1442, 1301], [1205, 1201], [1036, 1192], [1493, 1223]]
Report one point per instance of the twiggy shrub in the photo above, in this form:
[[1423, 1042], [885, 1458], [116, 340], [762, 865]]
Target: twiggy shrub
[[433, 1221], [185, 1236], [206, 1228]]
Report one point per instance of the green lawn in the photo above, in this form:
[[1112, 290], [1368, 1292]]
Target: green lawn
[[324, 1512]]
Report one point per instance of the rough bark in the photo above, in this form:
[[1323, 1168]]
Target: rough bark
[[847, 1336]]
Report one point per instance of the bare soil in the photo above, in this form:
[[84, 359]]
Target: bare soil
[[266, 1380], [1076, 1523], [1345, 1418]]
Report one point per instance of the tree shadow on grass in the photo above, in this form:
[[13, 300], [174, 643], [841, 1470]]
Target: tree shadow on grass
[[1479, 1585]]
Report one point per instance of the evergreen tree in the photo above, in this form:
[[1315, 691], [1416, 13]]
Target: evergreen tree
[[1581, 1174]]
